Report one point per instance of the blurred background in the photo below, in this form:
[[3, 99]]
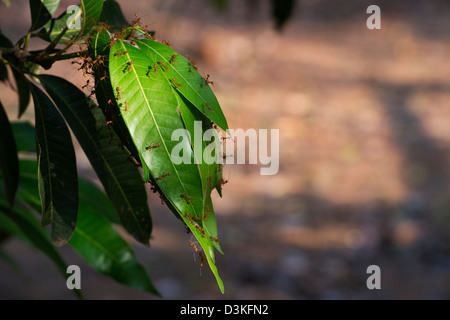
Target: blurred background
[[364, 120]]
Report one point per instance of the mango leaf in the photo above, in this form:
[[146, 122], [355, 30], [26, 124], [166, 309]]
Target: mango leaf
[[54, 27], [3, 73], [121, 179], [91, 13], [96, 199], [9, 163], [25, 221], [112, 15], [40, 12], [105, 94], [150, 111], [211, 173], [51, 5], [81, 21], [58, 184], [185, 78], [5, 43], [103, 248], [25, 227], [24, 135], [23, 90], [94, 238]]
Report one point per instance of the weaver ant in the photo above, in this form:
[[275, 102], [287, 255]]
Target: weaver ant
[[163, 176], [175, 83], [120, 53], [186, 197], [152, 147]]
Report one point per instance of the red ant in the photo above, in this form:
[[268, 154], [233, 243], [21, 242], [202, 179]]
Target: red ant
[[175, 82], [167, 43], [172, 58], [193, 245], [112, 138], [205, 217], [99, 60], [130, 64], [163, 176], [209, 182], [207, 82], [214, 239], [163, 65], [193, 63], [186, 197], [152, 147], [202, 259], [120, 53]]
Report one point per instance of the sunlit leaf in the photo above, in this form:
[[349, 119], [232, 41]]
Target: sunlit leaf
[[185, 79], [151, 115]]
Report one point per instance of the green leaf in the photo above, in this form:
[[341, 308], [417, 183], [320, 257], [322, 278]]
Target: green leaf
[[88, 13], [23, 90], [3, 73], [30, 229], [25, 226], [54, 27], [106, 96], [120, 178], [94, 238], [103, 248], [9, 163], [185, 79], [40, 13], [28, 191], [51, 5], [151, 117], [5, 43], [210, 174], [91, 13], [58, 184], [112, 15], [25, 136], [96, 199]]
